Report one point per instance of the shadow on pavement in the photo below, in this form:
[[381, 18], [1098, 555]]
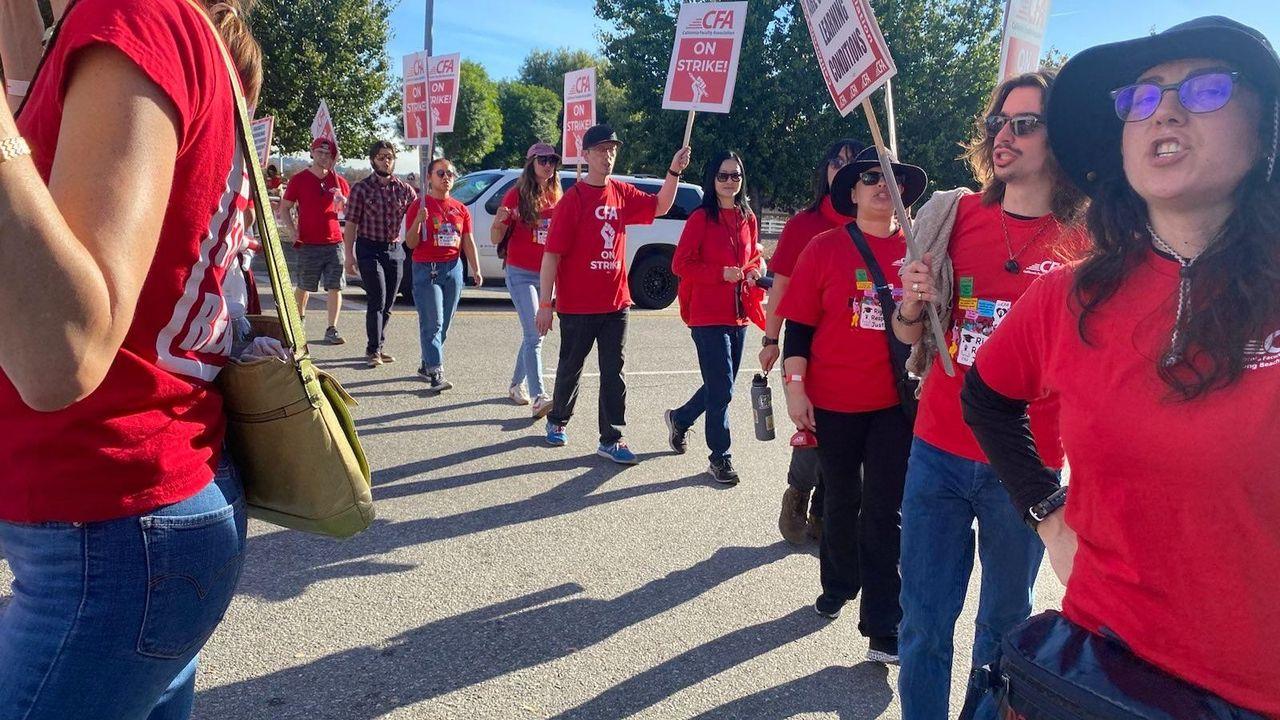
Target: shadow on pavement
[[860, 692], [473, 647]]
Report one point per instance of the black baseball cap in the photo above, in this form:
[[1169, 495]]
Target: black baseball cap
[[597, 134]]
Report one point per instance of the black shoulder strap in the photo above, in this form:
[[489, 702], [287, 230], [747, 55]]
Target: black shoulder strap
[[898, 351]]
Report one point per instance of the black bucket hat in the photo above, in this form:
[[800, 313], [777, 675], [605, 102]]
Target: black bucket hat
[[842, 185], [1084, 131]]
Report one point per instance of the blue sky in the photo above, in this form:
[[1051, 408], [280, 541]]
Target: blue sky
[[499, 33]]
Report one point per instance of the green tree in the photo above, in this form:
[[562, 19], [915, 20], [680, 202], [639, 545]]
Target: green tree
[[477, 129], [782, 119], [331, 50], [530, 113]]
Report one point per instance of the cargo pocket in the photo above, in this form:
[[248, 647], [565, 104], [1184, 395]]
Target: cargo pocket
[[193, 565]]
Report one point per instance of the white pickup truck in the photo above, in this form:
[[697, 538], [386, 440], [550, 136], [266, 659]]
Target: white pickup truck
[[649, 247]]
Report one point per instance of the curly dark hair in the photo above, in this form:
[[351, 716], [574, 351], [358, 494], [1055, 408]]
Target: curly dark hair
[[1233, 298]]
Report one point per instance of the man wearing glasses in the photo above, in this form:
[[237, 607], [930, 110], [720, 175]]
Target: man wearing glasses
[[982, 252], [375, 214]]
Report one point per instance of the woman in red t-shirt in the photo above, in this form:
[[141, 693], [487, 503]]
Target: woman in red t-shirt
[[121, 517], [801, 516], [841, 384], [718, 262], [524, 220], [1163, 347]]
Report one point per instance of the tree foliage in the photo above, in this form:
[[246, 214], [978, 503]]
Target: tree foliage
[[782, 120], [331, 50], [530, 114], [547, 68], [477, 129]]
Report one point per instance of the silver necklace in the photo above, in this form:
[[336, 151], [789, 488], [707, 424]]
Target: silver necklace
[[1174, 353]]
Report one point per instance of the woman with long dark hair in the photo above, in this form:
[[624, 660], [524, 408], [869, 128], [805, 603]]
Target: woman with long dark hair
[[718, 262], [801, 516], [121, 516], [524, 218], [1163, 348]]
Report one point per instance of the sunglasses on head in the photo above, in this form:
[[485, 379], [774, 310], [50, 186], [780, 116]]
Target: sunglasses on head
[[871, 178], [728, 177], [547, 160], [446, 174], [1201, 93], [1021, 125]]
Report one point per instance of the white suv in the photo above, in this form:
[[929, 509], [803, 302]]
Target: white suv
[[649, 247]]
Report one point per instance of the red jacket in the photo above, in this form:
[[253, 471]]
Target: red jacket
[[705, 250]]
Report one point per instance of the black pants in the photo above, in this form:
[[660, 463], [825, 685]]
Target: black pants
[[380, 266], [608, 332], [864, 468], [805, 474]]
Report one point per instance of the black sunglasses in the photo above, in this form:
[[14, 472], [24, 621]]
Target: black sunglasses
[[1021, 125], [871, 178], [446, 174], [728, 177], [547, 160], [1201, 93]]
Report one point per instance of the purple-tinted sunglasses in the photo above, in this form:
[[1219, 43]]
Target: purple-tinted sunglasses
[[1201, 93]]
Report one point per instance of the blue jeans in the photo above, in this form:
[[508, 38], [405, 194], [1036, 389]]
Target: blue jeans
[[107, 617], [943, 496], [524, 286], [437, 287], [719, 356]]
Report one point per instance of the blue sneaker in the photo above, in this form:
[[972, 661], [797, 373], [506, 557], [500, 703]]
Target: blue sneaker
[[556, 435], [619, 453]]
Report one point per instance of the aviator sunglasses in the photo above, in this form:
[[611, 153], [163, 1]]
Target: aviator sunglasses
[[1201, 93], [1021, 125]]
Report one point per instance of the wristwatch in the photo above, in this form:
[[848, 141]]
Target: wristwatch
[[766, 341], [1043, 509]]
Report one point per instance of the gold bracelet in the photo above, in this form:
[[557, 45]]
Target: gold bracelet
[[12, 148]]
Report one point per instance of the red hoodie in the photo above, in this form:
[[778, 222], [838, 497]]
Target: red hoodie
[[706, 248]]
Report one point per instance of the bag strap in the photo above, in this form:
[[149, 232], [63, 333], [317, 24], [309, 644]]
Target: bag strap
[[898, 351], [268, 234]]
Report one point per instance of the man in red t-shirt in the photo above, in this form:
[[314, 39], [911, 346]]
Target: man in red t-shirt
[[320, 194], [981, 253], [585, 260]]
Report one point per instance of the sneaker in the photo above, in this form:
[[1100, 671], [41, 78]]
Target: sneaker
[[619, 453], [518, 394], [437, 382], [556, 435], [884, 650], [332, 337], [829, 607], [722, 472], [677, 436], [425, 374], [541, 406], [792, 522], [387, 359], [374, 359]]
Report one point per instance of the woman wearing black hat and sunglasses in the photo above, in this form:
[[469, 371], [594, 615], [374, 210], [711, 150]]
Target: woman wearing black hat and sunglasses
[[841, 383], [1163, 347]]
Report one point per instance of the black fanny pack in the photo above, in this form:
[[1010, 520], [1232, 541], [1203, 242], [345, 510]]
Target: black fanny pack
[[1053, 669], [899, 351]]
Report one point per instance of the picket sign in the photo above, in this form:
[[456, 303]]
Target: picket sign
[[444, 74], [855, 62], [417, 128], [1023, 36], [579, 114], [263, 128], [704, 59], [322, 126]]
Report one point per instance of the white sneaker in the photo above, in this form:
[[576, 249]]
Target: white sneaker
[[519, 395], [541, 406]]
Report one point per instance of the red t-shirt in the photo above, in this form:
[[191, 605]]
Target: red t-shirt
[[1175, 503], [704, 251], [797, 233], [317, 210], [983, 293], [151, 433], [447, 222], [525, 248], [589, 232], [832, 290]]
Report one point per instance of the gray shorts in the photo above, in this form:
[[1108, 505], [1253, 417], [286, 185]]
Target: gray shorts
[[320, 265]]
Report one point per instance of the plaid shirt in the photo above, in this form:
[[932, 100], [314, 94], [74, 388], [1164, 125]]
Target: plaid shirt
[[378, 208]]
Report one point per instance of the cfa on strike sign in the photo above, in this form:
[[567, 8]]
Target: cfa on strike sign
[[704, 59], [430, 95], [853, 55], [579, 112]]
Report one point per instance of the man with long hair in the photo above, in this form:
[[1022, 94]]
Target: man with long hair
[[981, 252]]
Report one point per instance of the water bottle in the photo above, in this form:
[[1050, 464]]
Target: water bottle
[[762, 407]]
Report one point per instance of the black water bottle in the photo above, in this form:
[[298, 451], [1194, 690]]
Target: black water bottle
[[762, 407]]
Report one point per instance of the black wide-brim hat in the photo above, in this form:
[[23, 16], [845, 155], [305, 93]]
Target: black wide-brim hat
[[913, 186], [1084, 130]]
